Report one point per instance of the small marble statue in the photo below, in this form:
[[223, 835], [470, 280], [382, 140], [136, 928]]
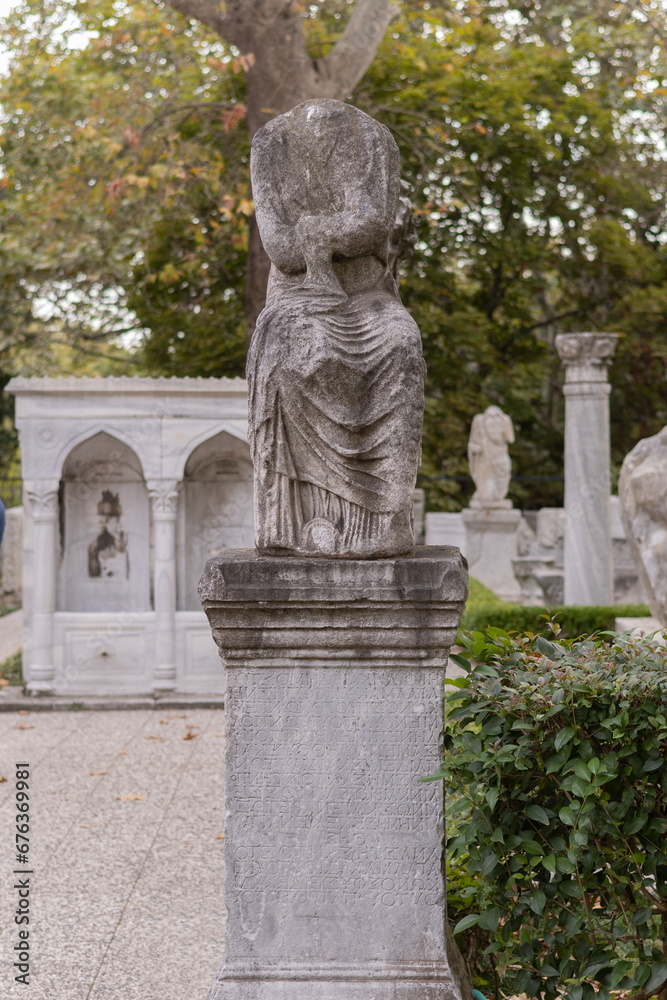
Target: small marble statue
[[490, 464], [335, 370]]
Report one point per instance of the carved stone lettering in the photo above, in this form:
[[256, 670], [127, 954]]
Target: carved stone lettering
[[327, 820]]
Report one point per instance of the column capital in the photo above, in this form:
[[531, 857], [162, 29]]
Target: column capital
[[42, 495], [163, 494], [586, 356]]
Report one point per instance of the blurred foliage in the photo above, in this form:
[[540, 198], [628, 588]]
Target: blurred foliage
[[533, 136], [574, 620], [11, 669]]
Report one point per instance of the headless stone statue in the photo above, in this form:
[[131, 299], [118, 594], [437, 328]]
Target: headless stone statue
[[488, 457], [335, 370]]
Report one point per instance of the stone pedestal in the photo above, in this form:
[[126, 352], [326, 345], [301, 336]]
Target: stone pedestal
[[334, 879], [491, 545], [587, 557]]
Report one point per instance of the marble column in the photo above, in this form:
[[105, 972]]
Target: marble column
[[333, 847], [164, 508], [588, 565], [42, 496]]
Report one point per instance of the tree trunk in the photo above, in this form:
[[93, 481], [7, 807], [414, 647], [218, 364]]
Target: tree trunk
[[281, 74]]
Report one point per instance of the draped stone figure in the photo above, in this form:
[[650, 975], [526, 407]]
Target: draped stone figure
[[488, 457], [335, 370]]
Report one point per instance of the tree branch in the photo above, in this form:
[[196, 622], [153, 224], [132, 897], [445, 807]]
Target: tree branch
[[209, 12], [355, 49]]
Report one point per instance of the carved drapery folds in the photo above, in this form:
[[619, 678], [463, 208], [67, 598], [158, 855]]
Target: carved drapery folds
[[335, 368]]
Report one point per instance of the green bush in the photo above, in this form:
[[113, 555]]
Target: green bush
[[556, 757], [11, 669], [573, 620]]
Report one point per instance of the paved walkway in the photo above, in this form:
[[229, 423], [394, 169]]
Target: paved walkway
[[126, 849]]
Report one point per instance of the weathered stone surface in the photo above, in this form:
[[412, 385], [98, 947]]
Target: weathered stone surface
[[491, 545], [446, 529], [265, 610], [488, 457], [642, 487], [588, 565], [334, 884], [335, 369], [12, 553]]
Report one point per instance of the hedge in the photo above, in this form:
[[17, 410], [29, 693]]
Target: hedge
[[573, 620], [556, 756]]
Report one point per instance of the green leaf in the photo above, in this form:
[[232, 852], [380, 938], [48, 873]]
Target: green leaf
[[489, 863], [549, 863], [653, 763], [472, 920], [492, 798], [657, 978], [546, 647], [635, 823], [489, 919], [538, 901], [537, 813], [567, 816], [564, 736], [581, 770], [460, 661], [620, 971]]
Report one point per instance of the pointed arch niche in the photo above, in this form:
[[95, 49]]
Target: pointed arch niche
[[104, 529], [216, 510]]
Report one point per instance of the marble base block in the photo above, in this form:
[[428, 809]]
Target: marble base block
[[491, 545], [333, 848]]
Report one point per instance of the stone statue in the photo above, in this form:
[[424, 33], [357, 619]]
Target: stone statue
[[335, 371], [404, 233], [642, 488], [490, 464]]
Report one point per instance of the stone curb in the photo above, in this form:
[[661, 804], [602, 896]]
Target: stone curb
[[15, 702]]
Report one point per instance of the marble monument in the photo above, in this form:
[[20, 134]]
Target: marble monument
[[642, 487], [335, 631], [335, 370], [130, 484], [491, 525], [588, 556], [488, 457]]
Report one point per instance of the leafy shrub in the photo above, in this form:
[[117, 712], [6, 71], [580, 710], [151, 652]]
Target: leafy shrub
[[573, 620], [11, 669], [556, 756]]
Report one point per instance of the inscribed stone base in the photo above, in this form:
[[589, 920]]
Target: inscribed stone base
[[491, 545], [333, 847]]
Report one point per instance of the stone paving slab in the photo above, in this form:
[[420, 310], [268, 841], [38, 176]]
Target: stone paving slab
[[126, 847]]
